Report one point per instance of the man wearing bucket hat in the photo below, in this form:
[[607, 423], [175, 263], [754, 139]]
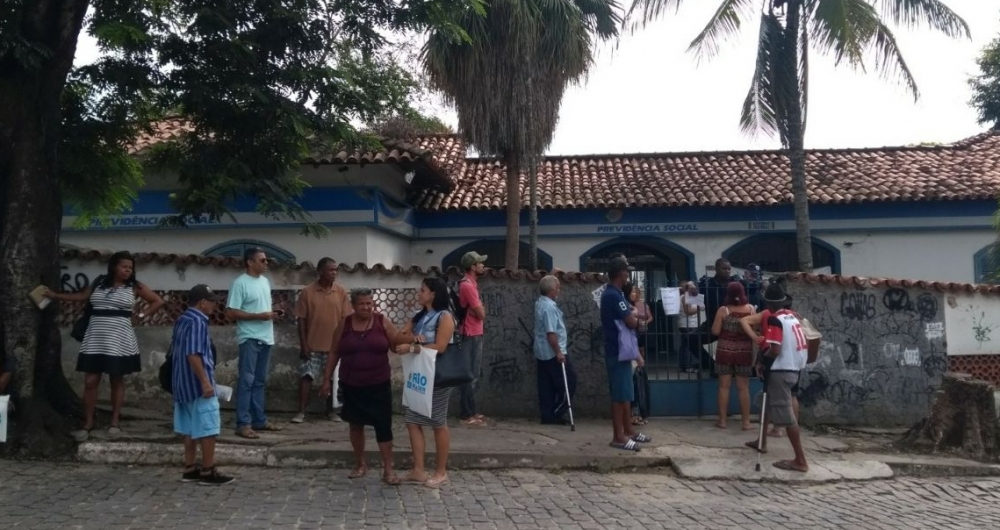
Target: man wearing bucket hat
[[473, 264], [783, 344], [196, 405]]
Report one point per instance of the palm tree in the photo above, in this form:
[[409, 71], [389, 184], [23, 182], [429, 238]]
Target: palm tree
[[853, 31], [507, 80]]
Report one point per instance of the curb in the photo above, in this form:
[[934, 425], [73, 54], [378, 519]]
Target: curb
[[905, 469], [151, 453]]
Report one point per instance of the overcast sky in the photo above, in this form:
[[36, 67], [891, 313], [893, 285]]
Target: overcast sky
[[647, 94]]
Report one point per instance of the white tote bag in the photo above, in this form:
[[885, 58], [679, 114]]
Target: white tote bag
[[334, 385], [418, 385]]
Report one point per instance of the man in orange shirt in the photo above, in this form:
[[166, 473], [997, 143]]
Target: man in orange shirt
[[320, 311]]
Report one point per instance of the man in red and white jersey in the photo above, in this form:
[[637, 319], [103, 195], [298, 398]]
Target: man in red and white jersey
[[783, 344]]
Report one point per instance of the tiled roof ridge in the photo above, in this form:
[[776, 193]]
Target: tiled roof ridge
[[164, 258], [960, 144], [862, 281]]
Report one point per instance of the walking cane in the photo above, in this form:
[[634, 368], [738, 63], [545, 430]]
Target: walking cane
[[569, 404], [763, 425]]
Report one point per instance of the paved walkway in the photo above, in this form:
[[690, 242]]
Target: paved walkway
[[44, 496], [692, 448]]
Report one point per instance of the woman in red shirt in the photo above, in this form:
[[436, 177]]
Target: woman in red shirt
[[734, 353]]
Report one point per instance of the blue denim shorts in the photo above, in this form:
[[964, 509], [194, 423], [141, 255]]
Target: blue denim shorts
[[620, 380], [198, 418]]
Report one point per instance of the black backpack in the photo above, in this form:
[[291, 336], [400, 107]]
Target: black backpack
[[458, 312]]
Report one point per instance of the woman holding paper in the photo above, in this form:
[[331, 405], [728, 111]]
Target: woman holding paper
[[361, 345], [432, 327], [690, 321]]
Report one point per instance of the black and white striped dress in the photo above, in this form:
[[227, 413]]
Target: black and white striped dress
[[110, 346]]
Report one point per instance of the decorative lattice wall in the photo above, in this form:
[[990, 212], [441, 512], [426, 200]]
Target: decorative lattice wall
[[397, 304], [985, 367]]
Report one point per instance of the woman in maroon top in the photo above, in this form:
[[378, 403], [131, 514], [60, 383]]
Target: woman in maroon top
[[734, 352], [362, 347]]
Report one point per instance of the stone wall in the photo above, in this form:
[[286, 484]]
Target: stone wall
[[884, 350]]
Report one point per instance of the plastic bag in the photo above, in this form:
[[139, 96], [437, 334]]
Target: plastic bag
[[418, 382], [3, 418]]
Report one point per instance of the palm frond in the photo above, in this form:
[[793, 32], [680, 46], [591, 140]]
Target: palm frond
[[604, 17], [844, 27], [648, 10], [759, 114], [723, 24], [889, 60], [934, 13]]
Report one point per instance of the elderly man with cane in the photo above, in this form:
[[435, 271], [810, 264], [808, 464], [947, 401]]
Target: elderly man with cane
[[784, 349], [556, 377]]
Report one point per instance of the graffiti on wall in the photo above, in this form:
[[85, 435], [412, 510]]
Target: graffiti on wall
[[973, 323], [883, 353]]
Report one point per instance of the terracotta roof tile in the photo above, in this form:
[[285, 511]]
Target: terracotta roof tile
[[969, 169], [859, 281]]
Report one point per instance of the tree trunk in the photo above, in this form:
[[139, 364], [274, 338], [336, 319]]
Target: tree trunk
[[513, 214], [796, 142], [533, 213], [30, 218], [963, 417]]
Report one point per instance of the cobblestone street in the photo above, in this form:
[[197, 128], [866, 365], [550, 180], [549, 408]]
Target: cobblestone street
[[41, 496]]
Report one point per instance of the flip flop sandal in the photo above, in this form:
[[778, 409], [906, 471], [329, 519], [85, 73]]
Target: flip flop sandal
[[630, 446], [641, 438], [247, 432], [752, 444], [114, 431], [390, 480], [413, 480], [436, 483], [358, 473], [270, 427], [473, 422]]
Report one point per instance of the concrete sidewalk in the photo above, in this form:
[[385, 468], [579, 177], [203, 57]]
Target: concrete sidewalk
[[692, 448]]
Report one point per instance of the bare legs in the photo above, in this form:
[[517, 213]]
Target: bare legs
[[91, 382], [743, 388], [725, 381], [117, 398], [191, 452], [442, 443], [621, 422]]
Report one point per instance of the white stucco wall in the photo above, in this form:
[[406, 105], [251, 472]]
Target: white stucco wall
[[388, 249]]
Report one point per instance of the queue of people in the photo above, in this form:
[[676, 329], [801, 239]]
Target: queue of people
[[340, 333]]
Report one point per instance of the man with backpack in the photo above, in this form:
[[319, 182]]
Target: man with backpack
[[784, 348], [470, 314]]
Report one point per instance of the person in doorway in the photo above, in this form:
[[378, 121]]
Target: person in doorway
[[320, 311], [474, 266], [434, 327], [110, 345], [690, 354], [734, 353], [552, 355], [785, 350], [250, 306], [361, 345], [196, 405], [614, 307], [714, 288], [644, 316]]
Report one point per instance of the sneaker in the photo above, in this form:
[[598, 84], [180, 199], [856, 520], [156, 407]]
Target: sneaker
[[334, 416], [299, 418], [192, 476], [213, 478]]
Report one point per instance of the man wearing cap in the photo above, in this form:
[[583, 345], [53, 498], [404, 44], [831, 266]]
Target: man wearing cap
[[196, 407], [320, 311], [783, 344], [614, 307], [474, 264]]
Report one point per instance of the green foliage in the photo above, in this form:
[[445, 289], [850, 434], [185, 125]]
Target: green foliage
[[986, 85], [259, 81], [507, 80]]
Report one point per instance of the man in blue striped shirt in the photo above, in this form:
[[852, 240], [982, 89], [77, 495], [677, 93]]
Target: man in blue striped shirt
[[196, 406]]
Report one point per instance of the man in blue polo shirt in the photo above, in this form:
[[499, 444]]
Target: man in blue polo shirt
[[615, 307], [196, 407]]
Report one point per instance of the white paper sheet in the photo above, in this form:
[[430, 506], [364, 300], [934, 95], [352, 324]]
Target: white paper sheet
[[671, 299]]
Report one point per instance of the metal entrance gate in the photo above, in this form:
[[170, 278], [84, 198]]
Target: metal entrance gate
[[676, 388]]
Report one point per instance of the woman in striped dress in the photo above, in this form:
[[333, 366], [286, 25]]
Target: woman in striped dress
[[434, 328], [109, 346]]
